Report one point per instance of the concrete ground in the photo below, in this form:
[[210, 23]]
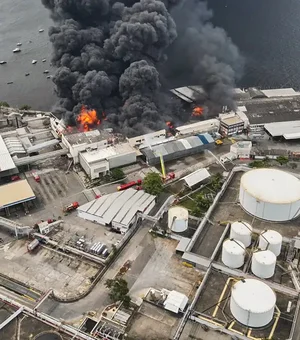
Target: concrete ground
[[152, 323], [163, 269], [148, 267], [46, 269], [194, 331]]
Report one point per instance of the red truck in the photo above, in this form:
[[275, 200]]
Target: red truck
[[36, 176], [71, 207], [129, 185]]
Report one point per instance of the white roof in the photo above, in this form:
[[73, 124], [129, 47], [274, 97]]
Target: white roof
[[175, 301], [234, 247], [288, 92], [253, 296], [119, 207], [6, 162], [265, 257], [284, 128], [196, 177], [199, 126], [183, 243], [241, 227], [14, 145], [106, 153], [271, 185], [272, 236]]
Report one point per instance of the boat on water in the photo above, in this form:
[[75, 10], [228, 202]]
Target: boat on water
[[2, 62], [19, 44], [46, 71], [44, 60], [16, 50], [41, 30], [34, 61]]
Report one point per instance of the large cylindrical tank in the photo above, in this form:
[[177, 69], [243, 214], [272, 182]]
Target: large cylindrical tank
[[233, 253], [263, 264], [241, 231], [178, 218], [270, 194], [270, 240], [252, 303]]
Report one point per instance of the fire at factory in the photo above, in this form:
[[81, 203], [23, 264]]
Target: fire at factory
[[127, 70]]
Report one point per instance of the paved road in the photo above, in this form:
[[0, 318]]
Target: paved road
[[18, 289]]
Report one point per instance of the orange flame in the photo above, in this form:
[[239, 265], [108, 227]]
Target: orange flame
[[198, 111], [87, 118]]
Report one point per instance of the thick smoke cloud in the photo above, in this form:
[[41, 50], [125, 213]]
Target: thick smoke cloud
[[108, 53], [202, 54]]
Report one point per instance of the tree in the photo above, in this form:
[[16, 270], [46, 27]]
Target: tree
[[202, 201], [4, 104], [25, 107], [118, 290], [117, 174], [282, 160], [152, 183], [215, 182]]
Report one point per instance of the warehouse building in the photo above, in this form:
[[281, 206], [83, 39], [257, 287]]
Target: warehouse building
[[119, 209], [287, 130], [15, 193], [177, 148], [99, 161], [7, 165], [196, 177], [270, 106]]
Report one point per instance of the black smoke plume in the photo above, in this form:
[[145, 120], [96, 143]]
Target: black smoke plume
[[113, 55]]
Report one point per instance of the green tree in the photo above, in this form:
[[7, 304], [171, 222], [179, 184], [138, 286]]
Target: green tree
[[25, 107], [153, 184], [215, 182], [118, 290], [117, 174], [257, 164], [4, 104], [282, 160]]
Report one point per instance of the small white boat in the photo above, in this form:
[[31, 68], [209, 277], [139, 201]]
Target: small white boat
[[41, 30], [19, 44], [49, 77], [34, 61], [2, 62], [44, 60], [46, 71], [16, 50]]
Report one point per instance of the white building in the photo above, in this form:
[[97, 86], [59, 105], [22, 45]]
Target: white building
[[7, 165], [232, 123], [118, 209], [78, 142], [176, 302], [241, 149], [99, 161], [196, 177]]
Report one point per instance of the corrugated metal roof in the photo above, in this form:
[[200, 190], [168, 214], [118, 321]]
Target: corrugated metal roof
[[186, 144], [6, 162], [119, 207], [208, 137], [196, 177], [283, 128]]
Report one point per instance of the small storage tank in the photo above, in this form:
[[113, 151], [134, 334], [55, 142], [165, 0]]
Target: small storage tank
[[252, 303], [233, 253], [178, 218], [263, 264], [270, 240], [241, 231]]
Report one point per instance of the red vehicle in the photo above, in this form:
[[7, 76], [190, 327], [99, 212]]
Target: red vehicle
[[15, 178], [36, 177], [97, 196], [129, 185], [71, 207]]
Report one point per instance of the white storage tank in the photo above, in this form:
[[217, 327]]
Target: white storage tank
[[270, 194], [233, 253], [241, 231], [252, 303], [263, 264], [178, 218], [270, 240]]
